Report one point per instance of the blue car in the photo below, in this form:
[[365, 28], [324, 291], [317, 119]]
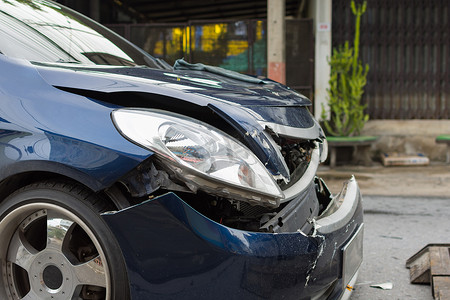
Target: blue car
[[122, 177]]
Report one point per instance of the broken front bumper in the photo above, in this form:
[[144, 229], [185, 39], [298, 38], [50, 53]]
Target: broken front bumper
[[172, 251]]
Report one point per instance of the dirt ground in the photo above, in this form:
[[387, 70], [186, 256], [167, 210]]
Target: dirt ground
[[427, 181]]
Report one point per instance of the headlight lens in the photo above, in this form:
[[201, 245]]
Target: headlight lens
[[201, 154]]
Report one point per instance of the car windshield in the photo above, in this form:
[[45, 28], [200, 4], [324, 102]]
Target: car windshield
[[42, 31]]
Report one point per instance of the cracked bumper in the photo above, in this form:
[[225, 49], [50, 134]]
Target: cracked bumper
[[172, 251]]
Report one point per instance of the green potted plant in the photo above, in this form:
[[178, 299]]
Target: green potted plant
[[345, 117], [346, 86]]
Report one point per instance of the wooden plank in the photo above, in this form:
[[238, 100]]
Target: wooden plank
[[441, 287], [432, 263], [410, 260], [439, 261], [419, 269], [443, 295], [396, 159]]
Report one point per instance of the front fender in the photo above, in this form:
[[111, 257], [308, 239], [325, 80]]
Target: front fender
[[45, 129]]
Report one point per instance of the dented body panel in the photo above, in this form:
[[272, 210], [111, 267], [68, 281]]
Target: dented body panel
[[186, 255], [208, 182], [79, 141]]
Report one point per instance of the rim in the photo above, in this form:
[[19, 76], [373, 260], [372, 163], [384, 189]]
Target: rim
[[51, 254]]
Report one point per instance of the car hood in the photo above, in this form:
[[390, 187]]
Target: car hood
[[267, 93], [252, 109]]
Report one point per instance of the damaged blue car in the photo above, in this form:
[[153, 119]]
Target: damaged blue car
[[122, 177]]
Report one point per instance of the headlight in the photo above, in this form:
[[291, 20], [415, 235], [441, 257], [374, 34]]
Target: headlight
[[200, 154]]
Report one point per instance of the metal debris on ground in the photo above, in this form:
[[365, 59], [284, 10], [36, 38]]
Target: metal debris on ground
[[383, 286]]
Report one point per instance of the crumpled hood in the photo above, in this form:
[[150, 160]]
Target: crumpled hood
[[269, 93], [250, 108]]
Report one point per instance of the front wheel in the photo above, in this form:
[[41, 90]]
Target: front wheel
[[55, 245]]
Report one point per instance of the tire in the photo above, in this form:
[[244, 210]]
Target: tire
[[55, 245]]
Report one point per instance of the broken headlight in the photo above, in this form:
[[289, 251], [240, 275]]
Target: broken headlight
[[201, 155]]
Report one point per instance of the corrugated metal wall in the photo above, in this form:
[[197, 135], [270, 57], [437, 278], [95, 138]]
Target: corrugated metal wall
[[407, 46]]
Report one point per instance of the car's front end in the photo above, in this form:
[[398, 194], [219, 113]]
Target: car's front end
[[228, 198], [229, 203], [207, 178]]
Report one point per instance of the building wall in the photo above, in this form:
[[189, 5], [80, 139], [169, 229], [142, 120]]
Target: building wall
[[408, 137]]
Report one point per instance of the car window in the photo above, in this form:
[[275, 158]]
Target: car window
[[44, 31]]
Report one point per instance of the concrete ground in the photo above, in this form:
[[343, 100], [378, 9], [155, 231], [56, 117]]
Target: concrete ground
[[405, 209], [395, 228], [426, 181]]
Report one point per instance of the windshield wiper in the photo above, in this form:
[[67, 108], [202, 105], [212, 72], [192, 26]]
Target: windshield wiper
[[154, 62]]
